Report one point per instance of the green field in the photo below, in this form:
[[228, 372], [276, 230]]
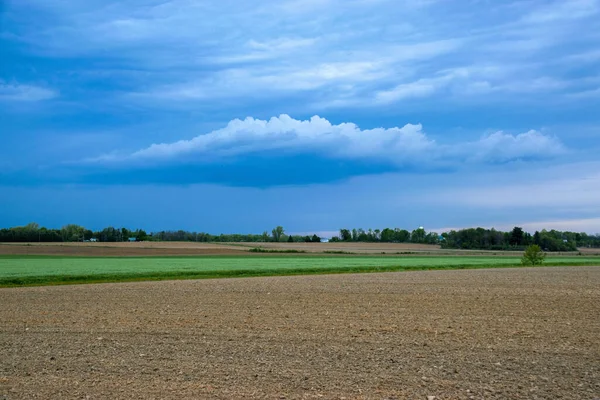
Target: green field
[[39, 270]]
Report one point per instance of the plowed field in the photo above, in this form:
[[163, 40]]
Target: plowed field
[[470, 334]]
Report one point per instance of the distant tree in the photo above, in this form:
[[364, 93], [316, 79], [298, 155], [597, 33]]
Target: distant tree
[[277, 233], [141, 235], [377, 234], [315, 239], [418, 236], [370, 235], [265, 236], [72, 233], [345, 235], [126, 234], [401, 235], [537, 238], [290, 239], [516, 236], [533, 255], [32, 226], [362, 235], [432, 238]]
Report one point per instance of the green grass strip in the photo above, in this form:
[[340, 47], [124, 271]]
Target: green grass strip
[[41, 280]]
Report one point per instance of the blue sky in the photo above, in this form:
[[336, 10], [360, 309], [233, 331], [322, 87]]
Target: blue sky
[[237, 116]]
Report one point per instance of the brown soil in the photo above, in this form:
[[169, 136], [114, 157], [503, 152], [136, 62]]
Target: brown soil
[[589, 251], [192, 248], [353, 247], [478, 334], [121, 249]]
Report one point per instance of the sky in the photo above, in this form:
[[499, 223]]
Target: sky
[[315, 115]]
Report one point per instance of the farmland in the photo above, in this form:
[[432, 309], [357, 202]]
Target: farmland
[[469, 334], [158, 249], [33, 270], [468, 328]]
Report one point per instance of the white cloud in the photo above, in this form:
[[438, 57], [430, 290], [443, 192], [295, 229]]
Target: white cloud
[[478, 81], [316, 69], [401, 146], [319, 53], [345, 140], [564, 10], [421, 88], [502, 147], [24, 93], [255, 51]]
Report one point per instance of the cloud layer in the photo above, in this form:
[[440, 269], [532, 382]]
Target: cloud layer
[[407, 145], [331, 54]]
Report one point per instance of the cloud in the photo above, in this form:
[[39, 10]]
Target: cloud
[[265, 82], [421, 88], [316, 135], [24, 93], [317, 53], [462, 82], [564, 10], [502, 147], [407, 145], [256, 51], [296, 66]]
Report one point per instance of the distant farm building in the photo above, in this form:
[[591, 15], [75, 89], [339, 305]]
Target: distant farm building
[[132, 239], [93, 240]]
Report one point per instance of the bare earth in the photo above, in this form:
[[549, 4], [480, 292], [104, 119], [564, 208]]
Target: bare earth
[[121, 249], [193, 248], [148, 249], [471, 334]]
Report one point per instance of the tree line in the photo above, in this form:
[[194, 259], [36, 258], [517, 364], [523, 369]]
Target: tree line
[[476, 238], [387, 235], [75, 233], [491, 239], [471, 238]]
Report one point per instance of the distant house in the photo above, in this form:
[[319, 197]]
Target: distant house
[[324, 240], [93, 240], [132, 239]]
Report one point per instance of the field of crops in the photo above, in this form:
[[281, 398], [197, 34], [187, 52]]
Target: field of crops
[[32, 270]]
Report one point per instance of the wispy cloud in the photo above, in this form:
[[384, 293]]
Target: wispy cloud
[[14, 92], [420, 88], [563, 10], [322, 54]]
